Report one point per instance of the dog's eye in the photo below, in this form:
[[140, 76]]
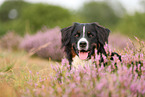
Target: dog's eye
[[77, 35], [90, 34]]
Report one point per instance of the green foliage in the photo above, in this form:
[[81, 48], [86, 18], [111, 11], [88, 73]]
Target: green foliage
[[6, 23], [99, 12], [7, 68], [7, 6], [38, 15], [32, 17], [133, 25]]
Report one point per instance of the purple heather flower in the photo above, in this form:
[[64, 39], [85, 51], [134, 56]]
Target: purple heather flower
[[46, 44]]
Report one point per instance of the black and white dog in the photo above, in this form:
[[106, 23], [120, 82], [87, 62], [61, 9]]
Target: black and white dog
[[81, 39]]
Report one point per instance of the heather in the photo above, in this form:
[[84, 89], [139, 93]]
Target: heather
[[119, 41], [24, 76], [10, 41], [116, 79], [45, 43]]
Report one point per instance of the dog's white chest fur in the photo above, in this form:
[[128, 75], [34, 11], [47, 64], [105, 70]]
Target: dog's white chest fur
[[78, 62]]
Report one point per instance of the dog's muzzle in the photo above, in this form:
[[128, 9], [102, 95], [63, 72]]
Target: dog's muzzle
[[83, 46]]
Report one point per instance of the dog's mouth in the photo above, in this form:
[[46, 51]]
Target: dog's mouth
[[83, 55]]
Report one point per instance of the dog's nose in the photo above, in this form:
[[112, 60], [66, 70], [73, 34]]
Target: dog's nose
[[83, 44]]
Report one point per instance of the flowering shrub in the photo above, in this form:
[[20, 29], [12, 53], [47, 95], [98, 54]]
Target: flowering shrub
[[10, 41], [45, 43], [119, 41], [116, 79]]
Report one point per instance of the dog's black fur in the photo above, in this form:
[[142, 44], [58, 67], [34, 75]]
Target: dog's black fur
[[95, 35]]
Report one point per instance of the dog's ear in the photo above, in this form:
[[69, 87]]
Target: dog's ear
[[66, 34], [102, 33]]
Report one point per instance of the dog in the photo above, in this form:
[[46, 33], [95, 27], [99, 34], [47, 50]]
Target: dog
[[81, 39]]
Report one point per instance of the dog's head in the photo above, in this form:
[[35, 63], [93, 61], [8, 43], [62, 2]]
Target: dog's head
[[83, 38]]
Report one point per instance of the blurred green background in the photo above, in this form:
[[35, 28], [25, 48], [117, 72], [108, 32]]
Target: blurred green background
[[24, 17]]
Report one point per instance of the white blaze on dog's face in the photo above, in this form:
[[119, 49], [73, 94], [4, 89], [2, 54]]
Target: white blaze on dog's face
[[83, 44]]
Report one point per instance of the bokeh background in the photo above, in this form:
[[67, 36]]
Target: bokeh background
[[32, 63], [34, 25]]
